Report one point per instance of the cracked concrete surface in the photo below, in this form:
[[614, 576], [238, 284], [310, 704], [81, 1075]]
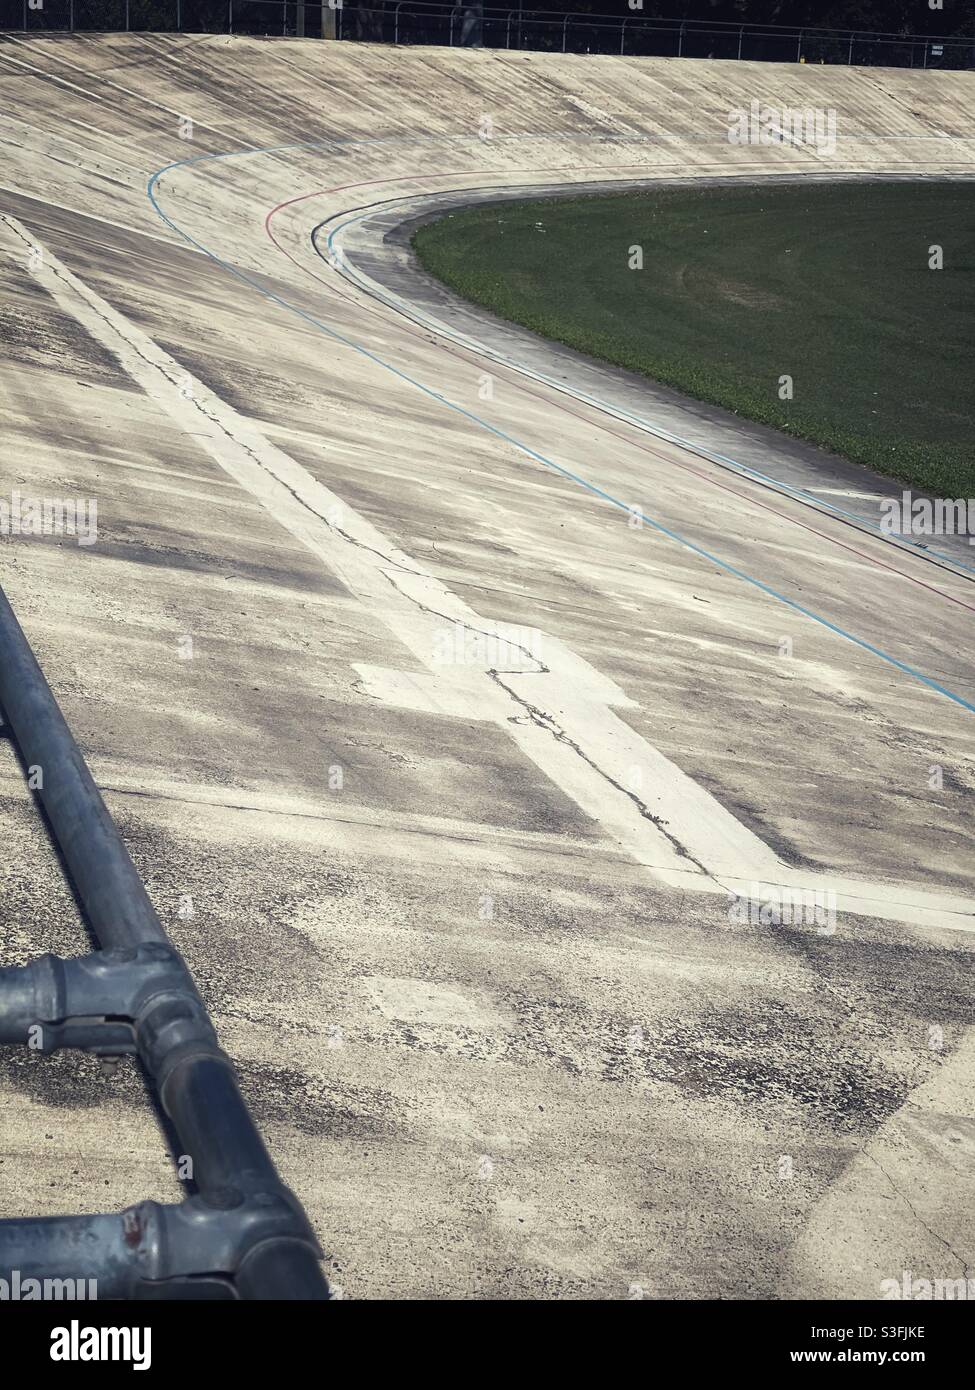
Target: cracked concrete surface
[[447, 803]]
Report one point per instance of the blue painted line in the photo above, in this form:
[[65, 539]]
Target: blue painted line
[[151, 189], [658, 431]]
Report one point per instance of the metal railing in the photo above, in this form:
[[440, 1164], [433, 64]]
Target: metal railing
[[240, 1233], [473, 24]]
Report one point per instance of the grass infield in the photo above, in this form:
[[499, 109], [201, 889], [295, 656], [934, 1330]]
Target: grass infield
[[829, 284]]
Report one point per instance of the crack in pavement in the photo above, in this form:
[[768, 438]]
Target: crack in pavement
[[916, 1214], [543, 670], [545, 721]]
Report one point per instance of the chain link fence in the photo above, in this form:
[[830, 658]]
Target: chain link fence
[[471, 24], [256, 17]]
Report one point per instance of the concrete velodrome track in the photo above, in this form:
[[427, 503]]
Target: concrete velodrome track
[[435, 678]]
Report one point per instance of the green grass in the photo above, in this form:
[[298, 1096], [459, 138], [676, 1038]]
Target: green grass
[[828, 284]]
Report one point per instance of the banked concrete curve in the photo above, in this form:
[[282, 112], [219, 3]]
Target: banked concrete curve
[[449, 798]]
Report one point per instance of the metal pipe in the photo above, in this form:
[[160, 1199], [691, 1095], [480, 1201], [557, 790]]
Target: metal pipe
[[201, 1098], [90, 1251], [291, 1270], [741, 35], [622, 37], [242, 1207], [159, 1252], [110, 889]]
